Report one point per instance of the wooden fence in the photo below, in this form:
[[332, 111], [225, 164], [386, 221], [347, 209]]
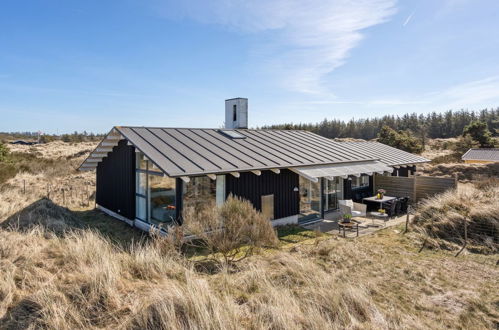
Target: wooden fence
[[416, 187]]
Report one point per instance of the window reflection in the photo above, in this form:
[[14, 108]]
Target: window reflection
[[200, 192], [162, 198], [333, 191], [141, 185], [362, 181], [310, 199]]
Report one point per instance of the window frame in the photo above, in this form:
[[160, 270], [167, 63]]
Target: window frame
[[140, 157]]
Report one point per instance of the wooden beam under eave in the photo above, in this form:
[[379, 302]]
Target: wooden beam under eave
[[212, 176], [109, 144], [256, 172], [275, 170], [100, 149], [235, 174], [186, 179], [98, 155], [113, 137]]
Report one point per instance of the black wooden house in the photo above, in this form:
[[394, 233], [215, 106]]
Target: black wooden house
[[149, 175]]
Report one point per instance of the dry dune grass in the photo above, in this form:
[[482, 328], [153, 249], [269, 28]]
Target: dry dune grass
[[45, 175], [83, 281], [444, 216], [56, 275], [56, 149]]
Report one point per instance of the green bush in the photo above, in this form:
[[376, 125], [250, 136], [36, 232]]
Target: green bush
[[480, 133], [464, 144], [400, 139], [4, 152]]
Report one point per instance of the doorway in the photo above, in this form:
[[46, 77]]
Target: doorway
[[333, 192]]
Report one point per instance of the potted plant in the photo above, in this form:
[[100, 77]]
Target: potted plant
[[381, 193], [347, 217]]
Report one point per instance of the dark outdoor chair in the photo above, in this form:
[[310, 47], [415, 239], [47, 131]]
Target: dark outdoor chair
[[404, 204], [390, 208], [398, 207]]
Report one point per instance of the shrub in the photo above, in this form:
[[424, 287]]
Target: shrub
[[4, 152], [480, 133], [233, 231], [399, 139], [464, 144]]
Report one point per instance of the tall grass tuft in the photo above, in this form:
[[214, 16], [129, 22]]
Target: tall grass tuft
[[444, 216]]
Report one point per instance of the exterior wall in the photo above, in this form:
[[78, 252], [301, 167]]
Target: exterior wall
[[353, 193], [251, 187], [404, 171], [115, 186], [285, 221]]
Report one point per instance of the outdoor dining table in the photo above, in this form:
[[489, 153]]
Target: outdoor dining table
[[380, 201]]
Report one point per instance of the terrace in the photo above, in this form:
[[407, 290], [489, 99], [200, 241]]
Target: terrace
[[366, 225]]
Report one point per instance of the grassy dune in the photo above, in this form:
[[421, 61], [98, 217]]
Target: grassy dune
[[72, 267]]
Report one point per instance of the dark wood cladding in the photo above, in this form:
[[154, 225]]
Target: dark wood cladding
[[404, 171], [356, 194], [252, 187], [116, 181]]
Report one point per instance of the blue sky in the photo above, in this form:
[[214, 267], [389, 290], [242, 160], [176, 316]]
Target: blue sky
[[88, 65]]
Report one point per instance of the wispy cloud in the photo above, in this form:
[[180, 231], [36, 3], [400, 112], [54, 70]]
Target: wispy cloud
[[408, 19], [478, 93], [305, 40], [474, 94]]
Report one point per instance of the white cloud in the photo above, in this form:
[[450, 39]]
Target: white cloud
[[304, 40], [473, 94]]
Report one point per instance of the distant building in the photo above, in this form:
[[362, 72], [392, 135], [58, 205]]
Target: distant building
[[481, 156]]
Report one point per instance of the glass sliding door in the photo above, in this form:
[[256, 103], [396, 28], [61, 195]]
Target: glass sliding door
[[310, 199], [333, 192]]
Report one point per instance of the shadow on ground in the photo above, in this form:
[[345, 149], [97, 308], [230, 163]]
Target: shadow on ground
[[60, 220]]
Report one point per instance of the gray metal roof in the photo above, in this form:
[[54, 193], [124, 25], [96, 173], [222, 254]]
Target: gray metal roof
[[486, 154], [188, 151], [196, 151], [389, 155]]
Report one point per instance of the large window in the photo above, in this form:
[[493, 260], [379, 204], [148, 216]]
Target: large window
[[200, 192], [359, 182], [310, 199], [162, 199], [155, 193]]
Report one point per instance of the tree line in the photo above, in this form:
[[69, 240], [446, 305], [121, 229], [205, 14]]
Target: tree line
[[433, 125], [44, 138]]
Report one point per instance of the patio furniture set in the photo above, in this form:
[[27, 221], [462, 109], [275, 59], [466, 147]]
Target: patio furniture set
[[390, 207]]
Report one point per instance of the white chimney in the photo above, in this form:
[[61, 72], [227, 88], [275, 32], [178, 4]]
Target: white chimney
[[236, 113]]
